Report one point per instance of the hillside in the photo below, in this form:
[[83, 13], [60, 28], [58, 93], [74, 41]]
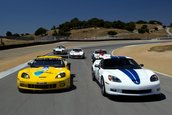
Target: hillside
[[92, 33], [5, 41], [171, 29], [98, 33], [152, 34]]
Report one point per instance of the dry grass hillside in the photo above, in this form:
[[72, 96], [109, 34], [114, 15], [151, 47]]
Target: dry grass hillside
[[92, 32], [171, 29], [156, 34], [6, 41], [153, 33]]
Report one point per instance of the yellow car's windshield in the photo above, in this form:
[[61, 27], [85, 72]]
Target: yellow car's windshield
[[48, 62]]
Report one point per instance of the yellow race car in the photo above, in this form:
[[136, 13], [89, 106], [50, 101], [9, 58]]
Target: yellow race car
[[45, 73]]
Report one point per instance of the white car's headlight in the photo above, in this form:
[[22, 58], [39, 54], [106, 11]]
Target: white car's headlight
[[71, 52], [154, 78], [25, 76], [81, 53], [61, 75], [114, 79]]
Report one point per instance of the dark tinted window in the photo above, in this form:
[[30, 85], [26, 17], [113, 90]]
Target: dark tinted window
[[61, 47], [100, 51], [77, 50], [48, 62], [120, 64]]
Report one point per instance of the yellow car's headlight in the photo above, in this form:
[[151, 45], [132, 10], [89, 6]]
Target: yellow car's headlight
[[61, 75], [25, 76]]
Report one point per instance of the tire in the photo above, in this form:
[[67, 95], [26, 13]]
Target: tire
[[93, 76], [103, 89], [71, 83], [21, 90], [69, 66]]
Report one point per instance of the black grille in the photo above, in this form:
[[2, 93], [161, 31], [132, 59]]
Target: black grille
[[137, 91], [42, 86]]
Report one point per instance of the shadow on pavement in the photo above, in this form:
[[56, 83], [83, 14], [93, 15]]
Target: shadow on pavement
[[134, 99]]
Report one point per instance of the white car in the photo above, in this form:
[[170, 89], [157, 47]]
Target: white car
[[119, 75], [98, 54], [77, 53], [61, 50]]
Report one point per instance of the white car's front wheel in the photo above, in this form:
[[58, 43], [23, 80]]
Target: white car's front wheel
[[93, 75], [103, 89]]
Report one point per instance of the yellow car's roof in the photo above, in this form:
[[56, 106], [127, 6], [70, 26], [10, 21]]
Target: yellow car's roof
[[49, 57]]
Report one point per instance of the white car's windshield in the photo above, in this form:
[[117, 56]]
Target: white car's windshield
[[120, 64], [61, 47], [100, 51], [77, 50]]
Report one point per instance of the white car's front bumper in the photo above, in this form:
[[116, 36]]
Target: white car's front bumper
[[76, 56], [139, 90]]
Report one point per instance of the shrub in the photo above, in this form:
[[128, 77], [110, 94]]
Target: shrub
[[112, 33], [143, 29]]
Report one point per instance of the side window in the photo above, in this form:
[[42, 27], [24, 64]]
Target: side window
[[102, 63]]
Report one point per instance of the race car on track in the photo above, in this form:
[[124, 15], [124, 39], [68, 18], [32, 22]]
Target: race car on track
[[98, 54], [77, 53], [119, 75], [60, 50], [45, 73]]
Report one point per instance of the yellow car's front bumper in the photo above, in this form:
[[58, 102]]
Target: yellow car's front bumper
[[50, 85]]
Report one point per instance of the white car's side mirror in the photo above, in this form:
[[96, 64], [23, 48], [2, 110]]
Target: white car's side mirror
[[142, 65], [98, 66]]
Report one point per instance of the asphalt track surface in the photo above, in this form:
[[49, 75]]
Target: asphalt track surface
[[84, 98]]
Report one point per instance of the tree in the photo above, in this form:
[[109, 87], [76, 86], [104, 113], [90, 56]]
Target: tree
[[130, 26], [171, 25], [119, 24], [40, 31], [75, 23], [65, 26], [9, 33], [155, 22], [16, 35], [55, 33], [143, 29], [112, 33], [156, 28], [27, 34], [2, 43], [108, 24], [64, 33], [53, 28], [141, 22], [95, 22]]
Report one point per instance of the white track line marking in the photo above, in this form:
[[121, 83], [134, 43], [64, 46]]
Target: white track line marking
[[12, 70]]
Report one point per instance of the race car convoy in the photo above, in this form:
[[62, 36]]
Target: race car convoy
[[117, 75]]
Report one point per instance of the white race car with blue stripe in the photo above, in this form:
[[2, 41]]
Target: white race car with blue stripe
[[120, 75]]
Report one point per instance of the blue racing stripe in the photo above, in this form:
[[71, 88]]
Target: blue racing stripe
[[132, 74]]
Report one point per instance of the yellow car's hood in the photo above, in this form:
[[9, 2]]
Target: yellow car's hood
[[44, 72]]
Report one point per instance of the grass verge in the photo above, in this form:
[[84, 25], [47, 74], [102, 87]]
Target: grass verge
[[161, 48]]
